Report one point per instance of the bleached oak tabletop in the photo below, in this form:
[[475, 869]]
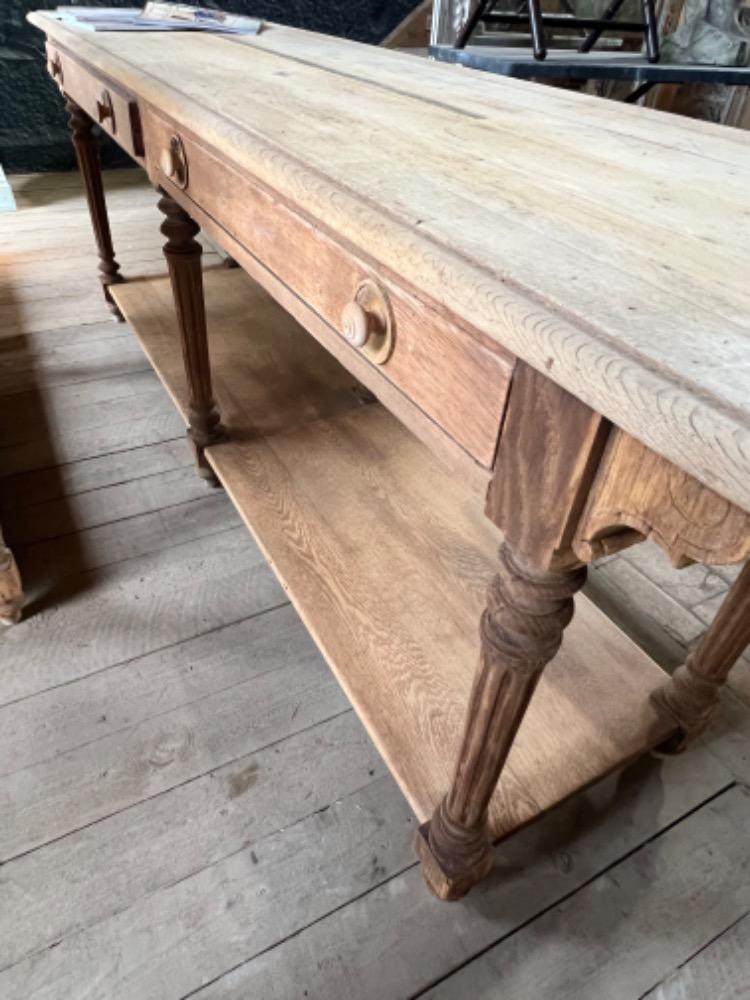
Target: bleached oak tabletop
[[604, 244]]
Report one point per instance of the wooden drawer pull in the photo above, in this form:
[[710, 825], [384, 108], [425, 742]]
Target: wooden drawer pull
[[367, 322], [105, 109], [174, 162], [357, 324], [55, 66]]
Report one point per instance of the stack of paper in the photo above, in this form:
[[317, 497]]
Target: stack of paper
[[159, 17]]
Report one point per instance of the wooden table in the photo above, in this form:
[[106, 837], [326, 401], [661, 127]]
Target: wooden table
[[548, 296]]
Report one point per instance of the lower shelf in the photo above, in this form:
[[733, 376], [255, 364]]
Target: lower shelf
[[386, 558]]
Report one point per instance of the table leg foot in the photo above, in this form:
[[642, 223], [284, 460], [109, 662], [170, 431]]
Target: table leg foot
[[452, 866], [528, 608], [692, 692], [202, 465]]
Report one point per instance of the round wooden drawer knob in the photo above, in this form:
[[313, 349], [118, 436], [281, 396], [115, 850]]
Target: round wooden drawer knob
[[357, 324], [174, 162], [367, 322]]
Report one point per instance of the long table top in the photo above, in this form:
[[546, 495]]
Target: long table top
[[604, 244]]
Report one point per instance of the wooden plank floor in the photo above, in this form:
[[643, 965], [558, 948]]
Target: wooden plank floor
[[188, 806]]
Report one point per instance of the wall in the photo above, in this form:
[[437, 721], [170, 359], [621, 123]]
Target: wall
[[33, 130]]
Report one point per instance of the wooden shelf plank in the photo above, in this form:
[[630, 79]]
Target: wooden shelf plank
[[386, 558]]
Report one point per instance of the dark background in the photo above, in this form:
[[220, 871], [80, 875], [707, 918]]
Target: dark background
[[33, 129]]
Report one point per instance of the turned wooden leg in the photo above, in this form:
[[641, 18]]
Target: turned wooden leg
[[692, 692], [11, 594], [183, 253], [87, 154], [521, 630]]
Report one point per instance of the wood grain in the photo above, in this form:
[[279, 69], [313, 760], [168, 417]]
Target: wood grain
[[325, 274], [73, 886], [638, 493], [133, 606], [655, 335], [50, 561], [156, 879], [716, 972], [103, 472], [278, 695], [575, 950], [370, 376], [155, 423], [401, 605], [396, 940], [244, 903], [123, 120], [549, 450], [45, 519], [118, 699]]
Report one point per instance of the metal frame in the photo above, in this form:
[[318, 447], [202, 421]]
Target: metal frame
[[562, 65], [537, 21]]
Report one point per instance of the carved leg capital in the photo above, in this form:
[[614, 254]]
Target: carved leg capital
[[87, 154], [183, 254], [521, 630]]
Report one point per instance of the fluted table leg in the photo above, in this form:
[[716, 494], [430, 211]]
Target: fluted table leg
[[183, 254], [691, 694], [521, 630], [87, 154]]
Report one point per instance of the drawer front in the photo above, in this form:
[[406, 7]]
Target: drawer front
[[459, 383], [112, 109]]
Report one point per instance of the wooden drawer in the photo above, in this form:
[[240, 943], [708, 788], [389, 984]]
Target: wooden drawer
[[449, 375], [115, 111]]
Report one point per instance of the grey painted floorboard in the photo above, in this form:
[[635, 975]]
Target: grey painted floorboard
[[717, 972], [396, 940], [93, 620], [27, 490], [614, 938]]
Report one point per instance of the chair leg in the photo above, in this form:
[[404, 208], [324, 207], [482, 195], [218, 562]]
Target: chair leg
[[538, 35], [652, 34], [595, 34], [467, 30]]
